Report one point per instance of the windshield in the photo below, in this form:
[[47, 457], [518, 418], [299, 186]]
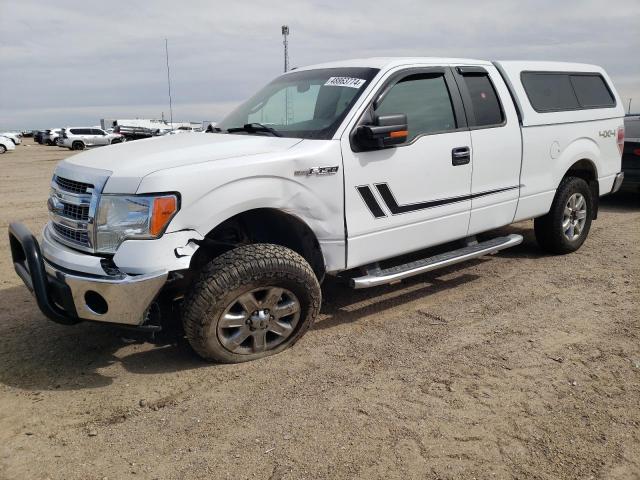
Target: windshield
[[304, 104]]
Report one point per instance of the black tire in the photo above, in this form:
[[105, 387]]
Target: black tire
[[236, 273], [550, 234], [3, 149], [77, 146], [49, 143]]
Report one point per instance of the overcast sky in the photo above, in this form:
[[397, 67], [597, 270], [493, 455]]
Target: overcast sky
[[68, 62]]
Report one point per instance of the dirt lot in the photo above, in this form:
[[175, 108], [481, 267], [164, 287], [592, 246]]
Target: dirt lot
[[520, 366]]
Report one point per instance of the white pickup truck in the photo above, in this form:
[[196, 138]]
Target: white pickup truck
[[337, 169]]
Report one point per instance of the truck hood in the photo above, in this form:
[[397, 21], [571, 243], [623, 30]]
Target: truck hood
[[130, 162]]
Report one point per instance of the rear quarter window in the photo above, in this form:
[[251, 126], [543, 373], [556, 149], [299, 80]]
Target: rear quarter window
[[484, 100]]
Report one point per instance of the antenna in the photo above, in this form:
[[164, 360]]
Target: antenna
[[629, 107], [285, 42], [166, 49]]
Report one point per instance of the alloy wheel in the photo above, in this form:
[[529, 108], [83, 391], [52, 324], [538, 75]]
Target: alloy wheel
[[259, 320], [574, 217]]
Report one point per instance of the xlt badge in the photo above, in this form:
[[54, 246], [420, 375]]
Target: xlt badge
[[318, 171]]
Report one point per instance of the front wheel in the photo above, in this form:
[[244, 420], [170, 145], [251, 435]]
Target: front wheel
[[2, 149], [565, 228], [251, 302]]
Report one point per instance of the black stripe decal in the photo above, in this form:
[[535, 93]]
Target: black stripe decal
[[396, 209], [370, 201]]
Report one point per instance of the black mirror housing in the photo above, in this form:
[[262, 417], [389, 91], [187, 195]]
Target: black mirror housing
[[385, 131]]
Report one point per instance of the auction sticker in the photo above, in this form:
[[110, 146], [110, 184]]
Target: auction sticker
[[345, 82]]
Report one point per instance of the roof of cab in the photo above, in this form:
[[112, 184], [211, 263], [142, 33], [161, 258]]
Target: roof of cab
[[390, 62]]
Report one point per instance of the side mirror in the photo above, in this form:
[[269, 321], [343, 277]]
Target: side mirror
[[385, 131]]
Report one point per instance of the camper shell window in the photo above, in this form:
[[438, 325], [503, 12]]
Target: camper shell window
[[564, 91]]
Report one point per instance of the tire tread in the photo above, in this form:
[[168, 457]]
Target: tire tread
[[233, 269]]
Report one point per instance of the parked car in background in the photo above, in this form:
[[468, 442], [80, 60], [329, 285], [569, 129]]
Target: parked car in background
[[631, 154], [6, 145], [13, 136], [38, 136], [51, 135], [79, 138], [185, 129]]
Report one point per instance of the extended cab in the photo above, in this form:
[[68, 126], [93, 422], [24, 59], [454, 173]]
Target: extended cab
[[337, 169]]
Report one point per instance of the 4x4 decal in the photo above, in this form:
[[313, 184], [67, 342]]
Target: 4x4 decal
[[398, 209]]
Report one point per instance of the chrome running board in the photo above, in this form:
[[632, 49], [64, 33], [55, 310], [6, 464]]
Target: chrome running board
[[377, 276]]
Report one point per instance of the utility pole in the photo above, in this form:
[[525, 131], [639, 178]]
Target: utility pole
[[285, 42], [166, 49]]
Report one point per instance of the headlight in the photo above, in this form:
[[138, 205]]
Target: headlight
[[122, 217]]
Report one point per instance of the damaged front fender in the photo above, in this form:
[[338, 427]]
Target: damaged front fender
[[172, 251]]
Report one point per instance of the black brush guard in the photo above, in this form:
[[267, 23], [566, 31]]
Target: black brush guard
[[53, 296]]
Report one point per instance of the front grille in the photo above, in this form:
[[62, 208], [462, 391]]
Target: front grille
[[76, 236], [72, 209], [77, 212], [73, 186]]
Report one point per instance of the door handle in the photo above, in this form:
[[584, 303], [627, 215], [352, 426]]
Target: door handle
[[460, 156]]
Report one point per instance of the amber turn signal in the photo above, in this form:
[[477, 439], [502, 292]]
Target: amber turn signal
[[164, 208], [399, 133]]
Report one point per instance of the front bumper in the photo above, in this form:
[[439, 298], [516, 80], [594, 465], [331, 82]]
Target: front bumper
[[68, 297]]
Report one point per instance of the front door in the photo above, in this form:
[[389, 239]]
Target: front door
[[98, 137], [416, 194]]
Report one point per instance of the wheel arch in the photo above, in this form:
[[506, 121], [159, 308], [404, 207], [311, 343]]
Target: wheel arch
[[262, 225], [586, 169]]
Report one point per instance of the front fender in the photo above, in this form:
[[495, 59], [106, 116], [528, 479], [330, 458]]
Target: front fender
[[212, 192], [310, 205]]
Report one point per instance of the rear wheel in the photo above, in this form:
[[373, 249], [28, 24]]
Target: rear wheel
[[2, 149], [77, 146], [565, 228], [251, 302]]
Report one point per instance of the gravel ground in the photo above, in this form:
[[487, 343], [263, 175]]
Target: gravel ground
[[520, 365]]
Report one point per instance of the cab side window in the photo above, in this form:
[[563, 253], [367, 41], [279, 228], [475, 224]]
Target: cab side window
[[484, 100], [425, 99]]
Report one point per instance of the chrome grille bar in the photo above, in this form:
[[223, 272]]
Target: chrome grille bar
[[73, 186], [72, 208]]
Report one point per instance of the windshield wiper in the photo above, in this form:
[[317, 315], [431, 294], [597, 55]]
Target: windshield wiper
[[255, 127]]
